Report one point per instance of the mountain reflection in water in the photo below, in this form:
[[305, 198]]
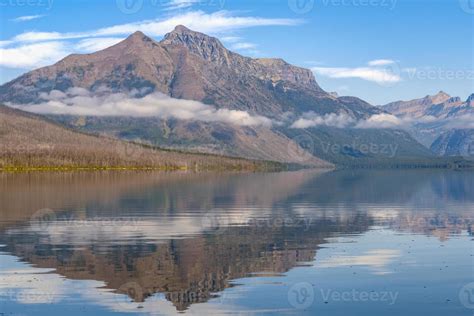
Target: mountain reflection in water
[[189, 237]]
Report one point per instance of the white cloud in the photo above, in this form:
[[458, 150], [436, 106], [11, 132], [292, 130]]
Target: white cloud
[[21, 52], [27, 18], [238, 43], [33, 55], [465, 121], [381, 62], [231, 39], [378, 260], [381, 121], [311, 119], [243, 46], [385, 120], [210, 23], [180, 4], [213, 23], [78, 101], [6, 43], [378, 75], [44, 36], [95, 44], [184, 4]]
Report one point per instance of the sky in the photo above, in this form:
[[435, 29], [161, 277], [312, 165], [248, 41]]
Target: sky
[[378, 50]]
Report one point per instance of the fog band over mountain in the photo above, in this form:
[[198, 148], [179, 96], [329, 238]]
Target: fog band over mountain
[[311, 119], [79, 101], [82, 102], [382, 120]]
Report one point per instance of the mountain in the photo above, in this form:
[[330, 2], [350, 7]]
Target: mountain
[[416, 107], [202, 137], [440, 105], [185, 65], [189, 65], [29, 141], [456, 142], [438, 119]]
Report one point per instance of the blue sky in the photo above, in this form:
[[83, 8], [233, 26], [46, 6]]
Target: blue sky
[[379, 50]]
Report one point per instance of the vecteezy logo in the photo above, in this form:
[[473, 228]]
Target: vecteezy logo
[[467, 6], [215, 222], [466, 295], [301, 295], [301, 148], [129, 150], [391, 75], [129, 6], [301, 6], [43, 218]]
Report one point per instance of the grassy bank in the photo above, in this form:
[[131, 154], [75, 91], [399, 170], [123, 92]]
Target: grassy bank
[[67, 163]]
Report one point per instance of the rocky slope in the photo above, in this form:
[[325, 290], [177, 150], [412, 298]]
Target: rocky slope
[[456, 142], [28, 141], [254, 142]]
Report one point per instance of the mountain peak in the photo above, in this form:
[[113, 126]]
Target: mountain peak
[[470, 100], [440, 97], [208, 47], [441, 92], [182, 29], [182, 35], [137, 34], [138, 37]]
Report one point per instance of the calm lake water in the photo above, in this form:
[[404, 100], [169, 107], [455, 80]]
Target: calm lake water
[[306, 242]]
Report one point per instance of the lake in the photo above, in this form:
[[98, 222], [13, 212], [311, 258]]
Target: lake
[[304, 242]]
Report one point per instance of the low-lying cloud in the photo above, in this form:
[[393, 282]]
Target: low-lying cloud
[[78, 101], [342, 120], [382, 120], [81, 102], [311, 119], [461, 122]]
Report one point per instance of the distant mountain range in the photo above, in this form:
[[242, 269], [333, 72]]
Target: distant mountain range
[[189, 92], [440, 122], [440, 106]]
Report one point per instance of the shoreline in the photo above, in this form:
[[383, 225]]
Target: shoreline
[[257, 167]]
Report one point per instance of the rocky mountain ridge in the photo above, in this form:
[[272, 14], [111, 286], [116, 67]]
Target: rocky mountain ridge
[[441, 122], [440, 105]]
